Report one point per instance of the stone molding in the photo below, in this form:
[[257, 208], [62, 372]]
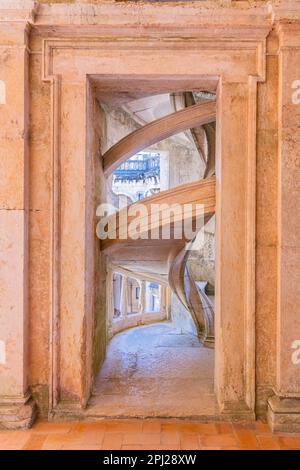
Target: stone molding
[[17, 413], [232, 16], [246, 39], [284, 414]]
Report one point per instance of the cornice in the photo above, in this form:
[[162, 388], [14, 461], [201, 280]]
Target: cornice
[[243, 21], [178, 20], [220, 13]]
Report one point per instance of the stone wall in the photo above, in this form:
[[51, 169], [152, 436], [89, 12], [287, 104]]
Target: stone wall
[[201, 262], [181, 318]]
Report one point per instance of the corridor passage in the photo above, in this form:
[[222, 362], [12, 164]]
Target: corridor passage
[[155, 371]]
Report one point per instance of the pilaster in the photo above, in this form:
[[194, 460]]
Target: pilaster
[[284, 407], [16, 407]]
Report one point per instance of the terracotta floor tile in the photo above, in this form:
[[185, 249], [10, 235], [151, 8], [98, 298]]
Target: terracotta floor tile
[[119, 426], [35, 442], [160, 447], [245, 437], [291, 442], [206, 428], [92, 436], [224, 428], [83, 426], [112, 441], [219, 441], [14, 439], [4, 435], [71, 446], [131, 447], [60, 440], [189, 441], [232, 448], [51, 427], [170, 438], [147, 435], [262, 428], [268, 442], [192, 427], [141, 439], [173, 426], [151, 426], [56, 442], [210, 448]]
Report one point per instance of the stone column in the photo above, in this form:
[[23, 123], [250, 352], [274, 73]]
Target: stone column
[[124, 297], [110, 300], [266, 233], [16, 407], [163, 300], [142, 297], [76, 242], [235, 208], [284, 407]]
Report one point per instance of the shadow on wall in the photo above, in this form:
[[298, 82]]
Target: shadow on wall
[[181, 318]]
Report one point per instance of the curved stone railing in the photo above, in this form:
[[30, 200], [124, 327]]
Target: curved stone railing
[[196, 194], [192, 294], [144, 137]]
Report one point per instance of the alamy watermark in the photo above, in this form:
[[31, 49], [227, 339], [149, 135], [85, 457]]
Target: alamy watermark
[[152, 221], [296, 92], [296, 353]]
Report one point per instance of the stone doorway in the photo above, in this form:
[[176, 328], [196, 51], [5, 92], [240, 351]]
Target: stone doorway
[[168, 140], [75, 358]]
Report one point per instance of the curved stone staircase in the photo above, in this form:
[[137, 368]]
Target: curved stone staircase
[[166, 259]]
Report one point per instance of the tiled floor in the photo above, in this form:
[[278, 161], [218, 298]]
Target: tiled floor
[[147, 434]]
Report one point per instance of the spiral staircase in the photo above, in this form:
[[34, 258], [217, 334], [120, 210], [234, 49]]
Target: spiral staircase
[[160, 258]]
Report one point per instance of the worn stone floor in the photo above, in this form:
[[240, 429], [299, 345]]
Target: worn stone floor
[[146, 434], [155, 371]]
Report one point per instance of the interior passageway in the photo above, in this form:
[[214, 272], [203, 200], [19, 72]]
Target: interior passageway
[[158, 152], [155, 370]]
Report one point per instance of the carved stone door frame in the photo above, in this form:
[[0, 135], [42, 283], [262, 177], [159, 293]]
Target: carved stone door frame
[[235, 60]]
